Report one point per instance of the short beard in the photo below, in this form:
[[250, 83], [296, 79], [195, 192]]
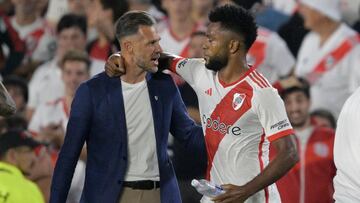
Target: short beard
[[216, 64]]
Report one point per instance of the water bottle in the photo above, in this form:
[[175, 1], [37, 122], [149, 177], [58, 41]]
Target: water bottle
[[207, 188]]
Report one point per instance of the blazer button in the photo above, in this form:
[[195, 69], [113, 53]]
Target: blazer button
[[119, 182], [124, 158]]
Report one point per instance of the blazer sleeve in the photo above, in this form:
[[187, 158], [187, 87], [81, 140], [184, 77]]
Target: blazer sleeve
[[184, 129], [78, 129]]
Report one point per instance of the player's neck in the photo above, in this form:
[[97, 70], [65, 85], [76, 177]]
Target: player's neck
[[234, 70]]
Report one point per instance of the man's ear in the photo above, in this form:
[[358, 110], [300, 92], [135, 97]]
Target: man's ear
[[127, 46], [234, 46]]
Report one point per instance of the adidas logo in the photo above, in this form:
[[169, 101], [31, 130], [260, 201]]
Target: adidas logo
[[209, 92]]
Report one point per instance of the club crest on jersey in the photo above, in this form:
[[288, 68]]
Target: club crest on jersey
[[238, 100]]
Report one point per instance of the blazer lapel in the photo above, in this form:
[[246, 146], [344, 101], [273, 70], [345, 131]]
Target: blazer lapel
[[156, 102]]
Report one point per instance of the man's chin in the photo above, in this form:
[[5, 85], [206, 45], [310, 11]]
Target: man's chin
[[153, 69]]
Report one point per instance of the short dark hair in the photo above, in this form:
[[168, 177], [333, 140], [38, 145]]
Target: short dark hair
[[326, 115], [72, 20], [236, 19], [247, 4], [74, 55], [128, 24], [16, 81], [303, 86]]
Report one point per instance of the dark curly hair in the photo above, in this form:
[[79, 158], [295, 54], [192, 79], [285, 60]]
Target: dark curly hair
[[237, 20]]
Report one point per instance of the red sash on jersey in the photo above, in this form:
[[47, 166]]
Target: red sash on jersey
[[226, 114], [32, 40], [333, 58], [257, 53]]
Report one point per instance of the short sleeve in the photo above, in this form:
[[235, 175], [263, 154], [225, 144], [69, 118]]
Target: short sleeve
[[271, 111], [189, 69]]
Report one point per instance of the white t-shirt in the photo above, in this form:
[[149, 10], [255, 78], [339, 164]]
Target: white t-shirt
[[39, 39], [56, 112], [340, 79], [46, 83], [142, 156], [347, 152], [270, 55], [238, 121], [171, 43]]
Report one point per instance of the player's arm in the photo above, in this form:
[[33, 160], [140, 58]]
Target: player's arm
[[115, 67], [286, 158], [7, 104]]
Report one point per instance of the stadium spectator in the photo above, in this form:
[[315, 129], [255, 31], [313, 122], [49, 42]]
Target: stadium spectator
[[323, 118], [46, 84], [329, 55], [315, 171], [50, 119], [17, 158]]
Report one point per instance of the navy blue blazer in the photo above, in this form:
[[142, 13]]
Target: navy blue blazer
[[98, 118]]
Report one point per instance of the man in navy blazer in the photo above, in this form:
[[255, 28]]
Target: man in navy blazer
[[126, 132]]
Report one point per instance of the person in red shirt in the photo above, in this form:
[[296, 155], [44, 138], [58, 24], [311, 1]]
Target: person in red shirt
[[310, 180]]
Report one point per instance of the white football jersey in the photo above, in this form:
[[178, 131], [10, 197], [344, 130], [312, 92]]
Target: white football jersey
[[49, 113], [238, 121]]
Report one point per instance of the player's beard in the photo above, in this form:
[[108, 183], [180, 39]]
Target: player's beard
[[217, 63]]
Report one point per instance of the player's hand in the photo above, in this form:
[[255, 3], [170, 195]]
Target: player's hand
[[233, 194], [114, 66]]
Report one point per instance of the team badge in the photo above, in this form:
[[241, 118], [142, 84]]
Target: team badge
[[321, 149], [238, 100], [329, 62]]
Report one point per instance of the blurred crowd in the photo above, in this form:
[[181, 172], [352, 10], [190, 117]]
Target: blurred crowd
[[309, 50]]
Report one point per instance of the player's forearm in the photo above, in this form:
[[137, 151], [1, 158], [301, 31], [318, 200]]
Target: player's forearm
[[7, 104], [286, 158], [165, 60]]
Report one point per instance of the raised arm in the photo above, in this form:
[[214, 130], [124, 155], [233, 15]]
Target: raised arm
[[115, 67], [7, 104]]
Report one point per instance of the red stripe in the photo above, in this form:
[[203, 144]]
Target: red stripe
[[336, 55], [262, 140], [227, 115], [257, 52], [18, 43], [65, 108], [256, 81], [280, 135], [259, 79], [173, 64], [263, 78]]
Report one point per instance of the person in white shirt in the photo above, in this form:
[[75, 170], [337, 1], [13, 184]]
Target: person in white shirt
[[241, 113], [33, 30], [346, 152], [50, 119], [46, 84], [329, 55]]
